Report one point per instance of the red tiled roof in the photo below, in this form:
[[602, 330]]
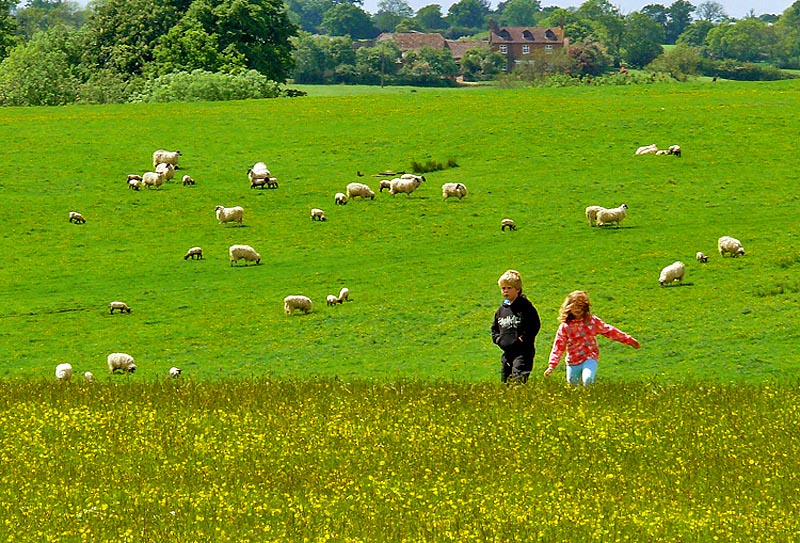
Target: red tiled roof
[[526, 34]]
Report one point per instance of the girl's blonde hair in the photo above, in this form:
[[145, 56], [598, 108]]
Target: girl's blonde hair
[[575, 306], [511, 278]]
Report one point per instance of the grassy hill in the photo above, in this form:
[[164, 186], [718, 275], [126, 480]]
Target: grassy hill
[[422, 272]]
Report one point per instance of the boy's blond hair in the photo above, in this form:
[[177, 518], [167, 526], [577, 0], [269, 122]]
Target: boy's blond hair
[[512, 279], [575, 306]]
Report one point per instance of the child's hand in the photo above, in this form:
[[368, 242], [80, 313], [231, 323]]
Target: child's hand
[[636, 344], [548, 371]]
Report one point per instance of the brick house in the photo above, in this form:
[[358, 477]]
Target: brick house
[[518, 43]]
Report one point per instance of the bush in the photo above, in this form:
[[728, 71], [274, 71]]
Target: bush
[[742, 71], [200, 85]]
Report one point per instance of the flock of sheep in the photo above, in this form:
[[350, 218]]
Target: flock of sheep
[[117, 362]]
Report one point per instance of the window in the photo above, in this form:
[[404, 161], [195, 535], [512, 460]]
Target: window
[[548, 49], [504, 49], [526, 49]]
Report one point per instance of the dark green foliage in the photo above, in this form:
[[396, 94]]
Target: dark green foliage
[[742, 71], [431, 165], [202, 86]]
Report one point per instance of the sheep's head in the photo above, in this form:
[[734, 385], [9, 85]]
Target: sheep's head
[[131, 368]]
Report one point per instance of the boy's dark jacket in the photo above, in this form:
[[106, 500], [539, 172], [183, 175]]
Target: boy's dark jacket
[[515, 326]]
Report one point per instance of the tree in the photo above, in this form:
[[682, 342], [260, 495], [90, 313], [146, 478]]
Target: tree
[[469, 13], [588, 58], [8, 28], [42, 14], [713, 12], [696, 33], [521, 12], [680, 62], [481, 64], [430, 17], [391, 13], [429, 62], [187, 47], [658, 13], [680, 17], [606, 21], [787, 29], [348, 20], [745, 40], [375, 63], [642, 40]]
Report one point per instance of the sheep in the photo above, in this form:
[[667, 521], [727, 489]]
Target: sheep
[[318, 215], [272, 182], [591, 214], [229, 214], [243, 252], [733, 246], [89, 376], [134, 184], [508, 223], [259, 182], [673, 272], [64, 372], [166, 157], [332, 300], [187, 180], [453, 189], [674, 150], [153, 179], [134, 177], [663, 152], [168, 170], [385, 184], [291, 303], [615, 215], [340, 198], [701, 257], [344, 295], [175, 372], [359, 189], [195, 253], [407, 186], [121, 362], [76, 217], [420, 178], [258, 171], [122, 306], [647, 149]]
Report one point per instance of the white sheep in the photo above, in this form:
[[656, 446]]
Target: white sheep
[[121, 362], [340, 198], [591, 214], [134, 184], [272, 182], [291, 303], [508, 223], [663, 152], [647, 149], [168, 170], [412, 176], [89, 376], [229, 214], [175, 372], [166, 157], [359, 189], [258, 171], [674, 150], [152, 179], [318, 215], [76, 217], [134, 177], [64, 372], [407, 186], [385, 184], [121, 306], [258, 182], [195, 253], [243, 252], [732, 246], [454, 189], [673, 272], [332, 300], [615, 215], [701, 257], [187, 180], [344, 295]]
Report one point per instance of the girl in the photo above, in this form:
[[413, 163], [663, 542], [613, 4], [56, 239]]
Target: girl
[[576, 334]]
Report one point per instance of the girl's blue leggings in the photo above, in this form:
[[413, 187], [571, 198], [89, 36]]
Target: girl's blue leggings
[[582, 373]]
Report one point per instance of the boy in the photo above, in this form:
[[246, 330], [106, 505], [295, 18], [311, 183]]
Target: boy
[[514, 329]]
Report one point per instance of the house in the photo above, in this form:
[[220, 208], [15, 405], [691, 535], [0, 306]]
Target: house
[[519, 43]]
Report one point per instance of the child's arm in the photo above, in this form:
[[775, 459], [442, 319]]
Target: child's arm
[[559, 346], [616, 334]]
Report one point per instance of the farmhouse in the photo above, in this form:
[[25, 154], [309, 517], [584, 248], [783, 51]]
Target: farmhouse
[[519, 43]]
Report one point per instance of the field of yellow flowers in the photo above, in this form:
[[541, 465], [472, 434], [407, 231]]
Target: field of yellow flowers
[[326, 460]]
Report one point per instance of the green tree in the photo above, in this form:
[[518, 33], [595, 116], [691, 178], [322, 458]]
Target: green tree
[[348, 20], [787, 30], [430, 17], [390, 14], [481, 64], [188, 47], [713, 12], [42, 14], [520, 12], [680, 17], [745, 40], [588, 57], [680, 62], [696, 33], [375, 63], [642, 40], [8, 28], [307, 14], [607, 23], [429, 62], [469, 13]]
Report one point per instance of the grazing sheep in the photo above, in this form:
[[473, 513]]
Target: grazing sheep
[[168, 170], [673, 272], [662, 152], [122, 306], [258, 182], [344, 295], [701, 257], [195, 253], [175, 372], [732, 246], [291, 303], [272, 182], [166, 157], [508, 223], [359, 189], [229, 214], [152, 179], [318, 215], [340, 198], [64, 372], [647, 149], [121, 362], [385, 184], [134, 177], [187, 180], [258, 171], [89, 376], [420, 178], [76, 217], [454, 189], [615, 215], [674, 150], [406, 185], [243, 252], [332, 300], [134, 184], [591, 214]]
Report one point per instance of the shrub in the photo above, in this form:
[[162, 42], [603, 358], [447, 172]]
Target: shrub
[[741, 71], [200, 85]]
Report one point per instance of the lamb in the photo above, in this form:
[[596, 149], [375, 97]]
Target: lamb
[[332, 300], [732, 246], [195, 253], [453, 189], [663, 152], [89, 376], [64, 372], [168, 170], [175, 372], [134, 184], [385, 184], [701, 257], [615, 215], [229, 214], [152, 179], [674, 150], [647, 149], [134, 177], [166, 157], [508, 223], [272, 182], [591, 214], [340, 198], [318, 215], [407, 186], [243, 252], [258, 171], [76, 217], [291, 303], [359, 189], [121, 306], [259, 182], [673, 272], [187, 180], [121, 362]]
